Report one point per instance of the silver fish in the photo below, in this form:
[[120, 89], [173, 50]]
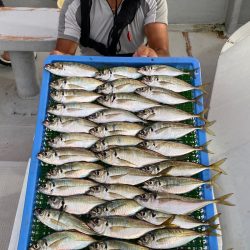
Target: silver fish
[[116, 140], [176, 204], [72, 96], [161, 70], [73, 170], [73, 140], [115, 191], [76, 204], [130, 157], [114, 115], [120, 86], [60, 221], [66, 187], [116, 208], [85, 83], [63, 241], [71, 69], [75, 109], [118, 73], [116, 128], [69, 125], [66, 155]]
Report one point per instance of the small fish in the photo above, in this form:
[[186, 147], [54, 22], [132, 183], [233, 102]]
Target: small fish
[[118, 73], [60, 221], [180, 221], [161, 70], [120, 227], [171, 83], [120, 86], [84, 83], [69, 125], [115, 191], [130, 157], [75, 109], [63, 240], [76, 204], [168, 114], [66, 187], [114, 115], [175, 185], [73, 96], [181, 168], [116, 128], [114, 141], [71, 69], [172, 149], [176, 204], [120, 175], [116, 208], [127, 101], [115, 245], [66, 155], [75, 170], [170, 130], [73, 140]]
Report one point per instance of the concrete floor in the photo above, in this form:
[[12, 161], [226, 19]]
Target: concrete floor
[[18, 117]]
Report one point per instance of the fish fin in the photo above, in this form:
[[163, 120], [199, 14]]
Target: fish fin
[[202, 114], [216, 166], [165, 171], [203, 87], [56, 244], [169, 221], [128, 162], [196, 100], [69, 142], [212, 182], [222, 200], [210, 232], [213, 219], [204, 148], [206, 128]]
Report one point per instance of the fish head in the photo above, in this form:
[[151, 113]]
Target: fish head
[[104, 75], [107, 154], [151, 169], [54, 67], [100, 146], [47, 156], [39, 245], [146, 239], [56, 202], [100, 175], [144, 114], [57, 95], [150, 79], [54, 173], [57, 141], [143, 90], [47, 187], [107, 99], [143, 214], [146, 70], [98, 131], [100, 245], [105, 88], [145, 132], [99, 225], [145, 198], [58, 107], [99, 211], [97, 190], [152, 184], [145, 144], [59, 84], [96, 116]]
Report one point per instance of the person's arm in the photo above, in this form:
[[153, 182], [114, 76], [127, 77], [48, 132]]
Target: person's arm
[[65, 46]]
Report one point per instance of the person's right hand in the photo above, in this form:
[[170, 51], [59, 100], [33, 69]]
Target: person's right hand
[[56, 52]]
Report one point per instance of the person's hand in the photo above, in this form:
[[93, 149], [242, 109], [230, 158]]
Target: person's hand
[[56, 52], [144, 51]]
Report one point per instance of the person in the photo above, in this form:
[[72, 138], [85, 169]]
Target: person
[[113, 28]]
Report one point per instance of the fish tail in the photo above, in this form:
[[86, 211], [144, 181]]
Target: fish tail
[[202, 114], [204, 148], [213, 180], [217, 166], [210, 231], [203, 87], [197, 99], [207, 129], [222, 200], [213, 219]]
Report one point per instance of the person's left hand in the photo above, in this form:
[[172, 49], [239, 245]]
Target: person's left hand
[[144, 51]]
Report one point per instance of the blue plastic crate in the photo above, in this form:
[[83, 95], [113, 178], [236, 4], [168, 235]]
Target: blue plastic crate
[[186, 63]]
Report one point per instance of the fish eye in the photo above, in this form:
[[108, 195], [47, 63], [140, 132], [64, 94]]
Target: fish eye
[[153, 214], [106, 209], [48, 215], [143, 196], [105, 128], [53, 184], [115, 154], [107, 224], [45, 153], [97, 172], [158, 168], [151, 129], [113, 97]]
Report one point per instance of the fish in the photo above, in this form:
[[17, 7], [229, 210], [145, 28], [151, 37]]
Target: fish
[[116, 128], [74, 170], [170, 238], [116, 208], [171, 83], [63, 240], [171, 130], [60, 221], [179, 221], [114, 141], [73, 96], [69, 125], [181, 168], [73, 140], [161, 70], [130, 157], [176, 185], [76, 204], [71, 69], [75, 109], [84, 83], [115, 191], [120, 86], [115, 245], [114, 115], [168, 114], [66, 155], [120, 227], [116, 73], [127, 101], [66, 187], [164, 96], [120, 175], [172, 149], [176, 204]]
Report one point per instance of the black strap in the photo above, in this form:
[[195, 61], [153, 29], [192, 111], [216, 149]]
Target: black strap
[[122, 19]]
